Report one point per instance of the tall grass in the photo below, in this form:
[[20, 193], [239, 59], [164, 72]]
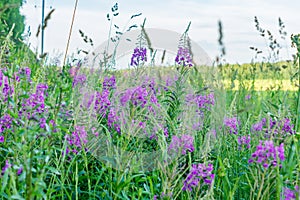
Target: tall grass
[[170, 133]]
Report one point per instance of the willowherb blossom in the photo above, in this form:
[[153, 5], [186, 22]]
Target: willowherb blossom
[[17, 78], [232, 124], [35, 103], [199, 174], [7, 89], [2, 139], [283, 126], [259, 126], [184, 143], [5, 122], [202, 101], [266, 154], [109, 83], [184, 57], [77, 139], [139, 55], [42, 122], [6, 166], [79, 79], [1, 78], [287, 127], [137, 96], [290, 194], [20, 170], [113, 119], [102, 102], [244, 141]]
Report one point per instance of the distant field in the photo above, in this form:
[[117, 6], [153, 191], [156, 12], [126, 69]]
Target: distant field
[[262, 85]]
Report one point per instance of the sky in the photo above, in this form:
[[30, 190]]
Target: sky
[[237, 17]]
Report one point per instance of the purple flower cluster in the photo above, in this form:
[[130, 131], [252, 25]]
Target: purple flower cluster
[[244, 141], [202, 101], [35, 104], [9, 165], [259, 126], [7, 90], [232, 124], [184, 143], [266, 154], [139, 55], [77, 140], [1, 78], [109, 83], [79, 79], [184, 57], [139, 96], [287, 127], [6, 166], [5, 122], [102, 102], [290, 194], [198, 172], [113, 119], [283, 126]]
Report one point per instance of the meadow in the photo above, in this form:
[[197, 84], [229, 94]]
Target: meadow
[[181, 132]]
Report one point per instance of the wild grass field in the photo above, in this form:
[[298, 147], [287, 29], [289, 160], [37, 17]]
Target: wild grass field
[[181, 132]]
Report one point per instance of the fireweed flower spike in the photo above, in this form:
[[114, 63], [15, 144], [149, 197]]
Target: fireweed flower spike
[[198, 172], [183, 57], [139, 55], [5, 122], [184, 143], [266, 154], [6, 166], [244, 141], [232, 124]]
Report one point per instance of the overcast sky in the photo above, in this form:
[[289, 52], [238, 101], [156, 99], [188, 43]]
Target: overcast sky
[[237, 17]]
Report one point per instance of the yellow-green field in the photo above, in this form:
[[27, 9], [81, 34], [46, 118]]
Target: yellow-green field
[[262, 85]]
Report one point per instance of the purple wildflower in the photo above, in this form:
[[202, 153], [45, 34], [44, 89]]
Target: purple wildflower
[[6, 166], [287, 126], [139, 55], [198, 172], [266, 154], [79, 79], [184, 143], [259, 126], [35, 102], [244, 141], [112, 119], [232, 124], [166, 132], [42, 122], [78, 138], [2, 139], [7, 90], [102, 102], [289, 194], [17, 78], [184, 57], [248, 97], [109, 83], [1, 78], [5, 122], [20, 170]]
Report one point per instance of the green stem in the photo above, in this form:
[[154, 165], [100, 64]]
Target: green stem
[[261, 186]]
